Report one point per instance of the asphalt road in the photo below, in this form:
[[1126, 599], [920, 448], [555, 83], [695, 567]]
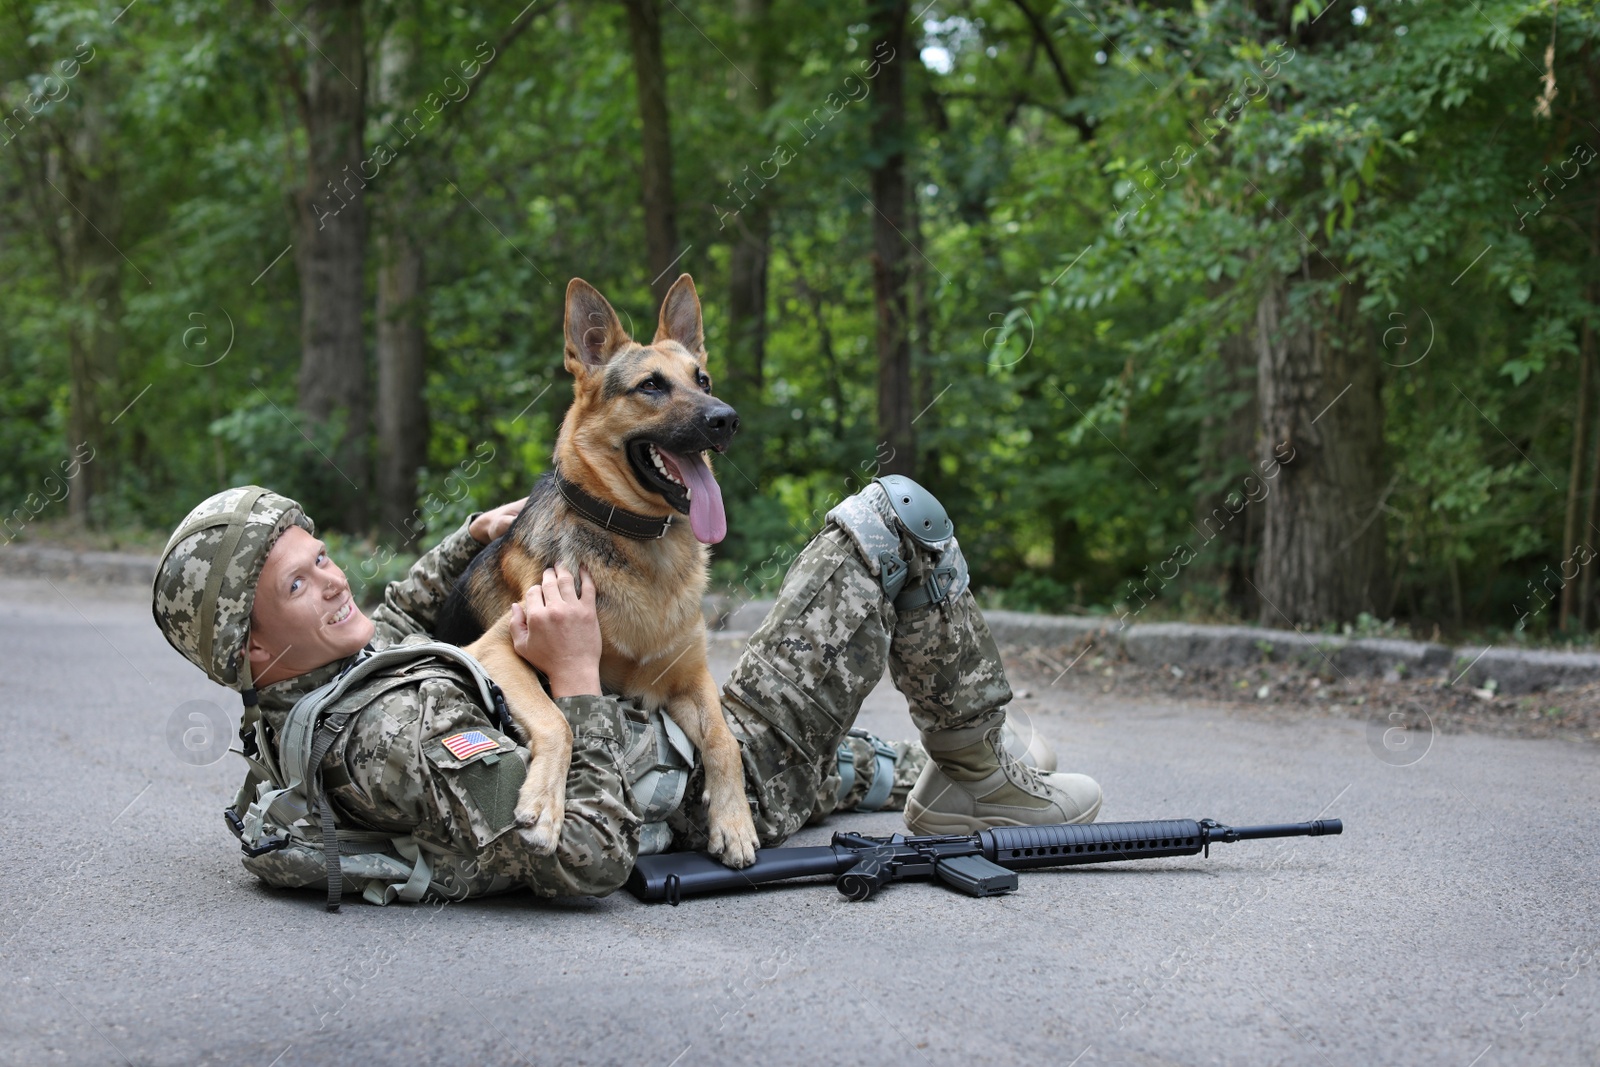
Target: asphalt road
[[1454, 923]]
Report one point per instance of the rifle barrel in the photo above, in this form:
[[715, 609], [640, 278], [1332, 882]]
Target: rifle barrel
[[1316, 828]]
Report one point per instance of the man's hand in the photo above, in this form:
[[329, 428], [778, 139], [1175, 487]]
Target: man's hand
[[491, 524], [558, 632]]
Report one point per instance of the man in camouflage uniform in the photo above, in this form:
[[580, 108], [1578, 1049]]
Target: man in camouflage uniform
[[246, 562]]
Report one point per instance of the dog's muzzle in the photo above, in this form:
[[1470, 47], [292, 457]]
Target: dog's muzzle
[[719, 423]]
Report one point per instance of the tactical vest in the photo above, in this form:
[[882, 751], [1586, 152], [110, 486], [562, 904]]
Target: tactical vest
[[283, 818]]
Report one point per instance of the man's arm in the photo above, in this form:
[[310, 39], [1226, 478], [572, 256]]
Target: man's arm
[[405, 778], [411, 604]]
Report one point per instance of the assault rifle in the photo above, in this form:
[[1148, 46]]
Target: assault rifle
[[983, 864]]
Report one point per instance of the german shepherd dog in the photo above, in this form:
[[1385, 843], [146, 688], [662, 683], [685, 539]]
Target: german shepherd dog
[[629, 461]]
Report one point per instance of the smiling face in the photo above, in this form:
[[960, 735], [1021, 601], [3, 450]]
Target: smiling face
[[643, 418], [304, 615]]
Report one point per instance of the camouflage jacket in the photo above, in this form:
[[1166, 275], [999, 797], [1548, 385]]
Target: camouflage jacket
[[391, 772]]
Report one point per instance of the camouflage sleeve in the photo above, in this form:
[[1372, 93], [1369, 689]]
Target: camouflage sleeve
[[600, 834], [411, 604], [404, 779]]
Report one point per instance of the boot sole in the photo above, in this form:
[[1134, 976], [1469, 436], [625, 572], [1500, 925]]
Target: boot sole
[[923, 822]]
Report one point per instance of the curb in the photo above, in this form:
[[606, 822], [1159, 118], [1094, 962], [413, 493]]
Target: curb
[[111, 568]]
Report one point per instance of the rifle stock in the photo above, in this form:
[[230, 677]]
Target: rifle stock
[[861, 864], [671, 876]]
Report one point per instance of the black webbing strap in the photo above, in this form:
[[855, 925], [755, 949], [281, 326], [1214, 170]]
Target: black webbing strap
[[328, 730], [501, 714], [247, 722]]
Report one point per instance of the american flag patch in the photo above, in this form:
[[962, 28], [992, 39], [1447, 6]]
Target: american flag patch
[[469, 744]]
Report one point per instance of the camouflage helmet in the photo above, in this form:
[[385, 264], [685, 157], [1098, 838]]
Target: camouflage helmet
[[205, 584]]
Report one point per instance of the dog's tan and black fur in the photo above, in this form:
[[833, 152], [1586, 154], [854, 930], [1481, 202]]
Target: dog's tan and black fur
[[641, 418]]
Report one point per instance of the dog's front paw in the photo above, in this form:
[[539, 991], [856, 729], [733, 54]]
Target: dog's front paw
[[733, 838], [539, 814]]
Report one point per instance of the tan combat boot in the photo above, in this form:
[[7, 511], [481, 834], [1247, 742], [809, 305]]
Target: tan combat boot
[[1028, 746], [972, 782]]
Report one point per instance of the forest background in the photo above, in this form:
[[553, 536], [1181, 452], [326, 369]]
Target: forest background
[[1276, 311]]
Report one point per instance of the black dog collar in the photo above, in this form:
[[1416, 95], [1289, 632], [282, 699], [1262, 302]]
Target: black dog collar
[[609, 516]]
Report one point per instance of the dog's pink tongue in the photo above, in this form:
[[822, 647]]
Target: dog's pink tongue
[[706, 517]]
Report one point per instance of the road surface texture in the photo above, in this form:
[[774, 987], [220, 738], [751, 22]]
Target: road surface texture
[[1454, 923]]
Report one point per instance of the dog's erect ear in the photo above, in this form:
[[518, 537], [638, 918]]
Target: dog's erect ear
[[594, 333], [680, 317]]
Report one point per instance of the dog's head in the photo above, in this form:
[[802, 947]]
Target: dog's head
[[643, 416]]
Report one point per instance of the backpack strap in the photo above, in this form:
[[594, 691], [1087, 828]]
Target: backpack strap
[[308, 735], [327, 733], [413, 888]]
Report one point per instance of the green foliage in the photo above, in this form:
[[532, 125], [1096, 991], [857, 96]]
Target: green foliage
[[1072, 296], [268, 447], [1035, 592], [1367, 625]]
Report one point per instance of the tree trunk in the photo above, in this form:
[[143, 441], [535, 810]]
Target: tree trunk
[[1322, 545], [95, 268], [1580, 426], [887, 19], [751, 252], [922, 392], [1586, 585], [650, 75], [747, 305], [330, 243], [1587, 344], [739, 366], [402, 415], [402, 421], [1227, 451]]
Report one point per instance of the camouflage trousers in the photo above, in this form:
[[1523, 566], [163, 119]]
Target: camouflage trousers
[[802, 679]]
